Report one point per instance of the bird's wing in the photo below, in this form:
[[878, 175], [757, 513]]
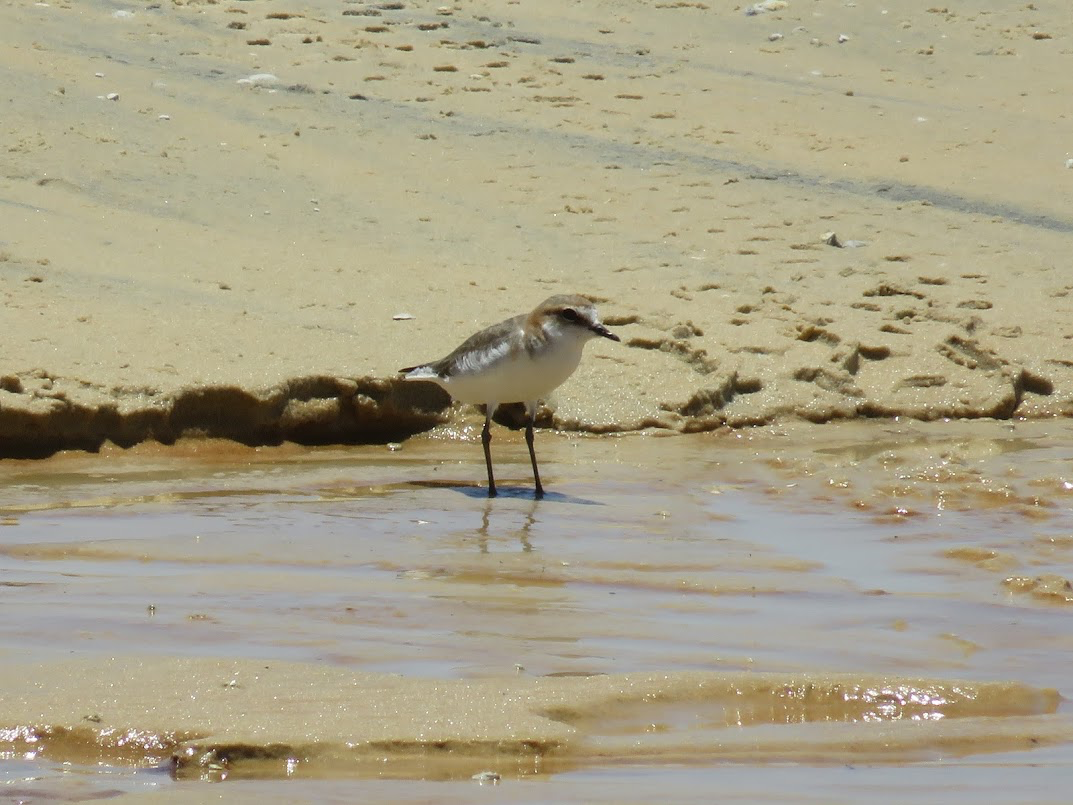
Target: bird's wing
[[473, 353]]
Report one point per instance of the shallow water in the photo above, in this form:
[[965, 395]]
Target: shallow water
[[936, 551]]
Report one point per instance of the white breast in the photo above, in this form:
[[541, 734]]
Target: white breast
[[504, 374]]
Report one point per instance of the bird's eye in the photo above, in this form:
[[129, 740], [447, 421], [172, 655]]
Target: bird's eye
[[569, 314]]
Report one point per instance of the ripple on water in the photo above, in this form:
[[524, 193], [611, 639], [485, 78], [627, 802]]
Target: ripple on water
[[925, 555]]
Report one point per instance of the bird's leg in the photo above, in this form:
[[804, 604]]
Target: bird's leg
[[532, 453], [486, 440]]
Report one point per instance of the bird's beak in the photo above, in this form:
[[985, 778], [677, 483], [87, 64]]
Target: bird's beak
[[599, 329]]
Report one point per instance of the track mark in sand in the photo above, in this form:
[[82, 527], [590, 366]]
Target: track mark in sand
[[876, 353], [1007, 332], [923, 381], [621, 321], [891, 289], [812, 332], [969, 354], [694, 357], [1035, 383], [705, 404], [835, 382]]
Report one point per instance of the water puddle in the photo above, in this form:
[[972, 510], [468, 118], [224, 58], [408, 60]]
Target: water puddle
[[887, 575]]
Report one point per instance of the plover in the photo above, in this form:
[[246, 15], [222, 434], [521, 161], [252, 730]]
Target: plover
[[521, 360]]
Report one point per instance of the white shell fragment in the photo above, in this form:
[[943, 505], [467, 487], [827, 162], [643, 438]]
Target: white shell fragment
[[831, 239], [487, 777], [259, 80], [767, 5], [402, 317]]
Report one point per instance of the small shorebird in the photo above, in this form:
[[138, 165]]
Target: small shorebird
[[518, 360]]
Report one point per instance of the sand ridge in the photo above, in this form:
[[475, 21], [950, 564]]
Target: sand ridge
[[214, 717]]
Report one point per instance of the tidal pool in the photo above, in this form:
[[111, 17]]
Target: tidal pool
[[820, 613]]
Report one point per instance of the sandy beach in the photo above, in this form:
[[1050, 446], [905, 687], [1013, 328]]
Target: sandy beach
[[226, 225], [223, 247]]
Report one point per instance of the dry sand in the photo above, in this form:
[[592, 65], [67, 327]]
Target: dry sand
[[221, 247]]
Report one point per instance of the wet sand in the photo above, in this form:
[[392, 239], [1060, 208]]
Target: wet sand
[[678, 609]]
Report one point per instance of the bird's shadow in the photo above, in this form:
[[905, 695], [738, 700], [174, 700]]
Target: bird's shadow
[[478, 492]]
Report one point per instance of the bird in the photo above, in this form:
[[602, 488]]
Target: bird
[[519, 360]]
